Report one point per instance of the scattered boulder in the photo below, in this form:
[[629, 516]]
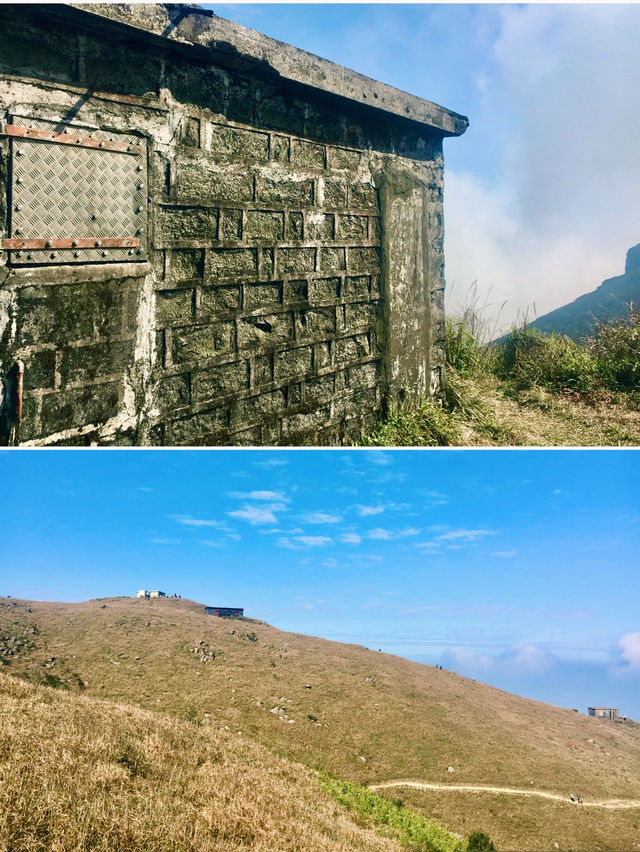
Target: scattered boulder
[[450, 769]]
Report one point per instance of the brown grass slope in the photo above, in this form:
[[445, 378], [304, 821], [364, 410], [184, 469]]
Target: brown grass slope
[[362, 715], [78, 773]]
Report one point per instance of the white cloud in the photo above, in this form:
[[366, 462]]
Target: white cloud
[[313, 540], [210, 543], [504, 554], [351, 538], [630, 646], [259, 495], [463, 535], [321, 518], [257, 515], [165, 541], [466, 660], [524, 657], [269, 464], [198, 522], [538, 231], [379, 533], [364, 511]]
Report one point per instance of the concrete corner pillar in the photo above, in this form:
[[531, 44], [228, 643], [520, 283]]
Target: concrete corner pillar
[[413, 284]]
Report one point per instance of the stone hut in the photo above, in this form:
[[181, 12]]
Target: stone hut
[[208, 236], [224, 611], [603, 712]]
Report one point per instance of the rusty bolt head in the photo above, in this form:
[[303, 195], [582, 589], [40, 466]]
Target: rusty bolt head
[[48, 244], [74, 244], [98, 243]]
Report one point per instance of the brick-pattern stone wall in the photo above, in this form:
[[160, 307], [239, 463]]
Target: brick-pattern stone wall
[[269, 312], [268, 296]]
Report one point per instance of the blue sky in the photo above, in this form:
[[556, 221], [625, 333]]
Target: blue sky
[[517, 568], [542, 196]]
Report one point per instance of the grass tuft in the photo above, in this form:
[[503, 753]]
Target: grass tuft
[[409, 828]]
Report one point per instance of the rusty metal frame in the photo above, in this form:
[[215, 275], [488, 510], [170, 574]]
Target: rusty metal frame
[[75, 243], [36, 133]]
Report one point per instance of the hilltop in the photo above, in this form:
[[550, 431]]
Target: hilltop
[[609, 301], [361, 715]]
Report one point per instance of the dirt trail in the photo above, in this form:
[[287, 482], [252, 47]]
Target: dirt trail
[[426, 785]]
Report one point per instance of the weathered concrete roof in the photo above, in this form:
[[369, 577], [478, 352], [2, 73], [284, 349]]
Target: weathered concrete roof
[[235, 46]]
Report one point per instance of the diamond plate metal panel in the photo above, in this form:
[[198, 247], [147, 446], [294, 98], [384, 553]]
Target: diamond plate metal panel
[[59, 192]]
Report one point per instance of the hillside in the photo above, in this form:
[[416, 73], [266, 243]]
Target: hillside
[[80, 773], [362, 715], [609, 301]]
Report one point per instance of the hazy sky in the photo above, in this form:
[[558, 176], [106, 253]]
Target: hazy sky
[[517, 568], [542, 195]]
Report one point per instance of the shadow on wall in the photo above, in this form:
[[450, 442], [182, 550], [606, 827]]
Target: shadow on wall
[[11, 406]]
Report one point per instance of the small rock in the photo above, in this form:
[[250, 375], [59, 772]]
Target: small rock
[[307, 686], [556, 845], [450, 769], [362, 759]]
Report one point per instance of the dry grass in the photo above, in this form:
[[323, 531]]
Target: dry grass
[[498, 416], [404, 719], [80, 774], [528, 824]]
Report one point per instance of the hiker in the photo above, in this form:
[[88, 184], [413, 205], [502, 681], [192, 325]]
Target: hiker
[[579, 799]]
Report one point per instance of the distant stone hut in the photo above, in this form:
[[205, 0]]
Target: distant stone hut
[[208, 236], [603, 712], [225, 611]]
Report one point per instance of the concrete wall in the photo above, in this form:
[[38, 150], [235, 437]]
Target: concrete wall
[[290, 281]]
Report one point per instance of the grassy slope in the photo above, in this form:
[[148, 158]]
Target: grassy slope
[[406, 720], [78, 773], [538, 417], [492, 413]]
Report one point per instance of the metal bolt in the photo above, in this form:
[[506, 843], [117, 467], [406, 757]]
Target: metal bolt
[[138, 168], [17, 232], [74, 244], [18, 254], [139, 232], [104, 253], [139, 186], [17, 207], [138, 209], [48, 244], [29, 256], [130, 251], [139, 251], [78, 140], [53, 254], [76, 254], [18, 180], [94, 217], [101, 145], [98, 243], [19, 152]]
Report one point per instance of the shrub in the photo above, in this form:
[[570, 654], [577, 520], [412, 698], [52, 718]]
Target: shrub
[[479, 842], [615, 347], [528, 357], [409, 828]]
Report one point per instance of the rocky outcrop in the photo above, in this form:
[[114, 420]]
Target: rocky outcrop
[[610, 301]]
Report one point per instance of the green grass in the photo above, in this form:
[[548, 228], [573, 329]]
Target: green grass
[[396, 821], [532, 389]]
